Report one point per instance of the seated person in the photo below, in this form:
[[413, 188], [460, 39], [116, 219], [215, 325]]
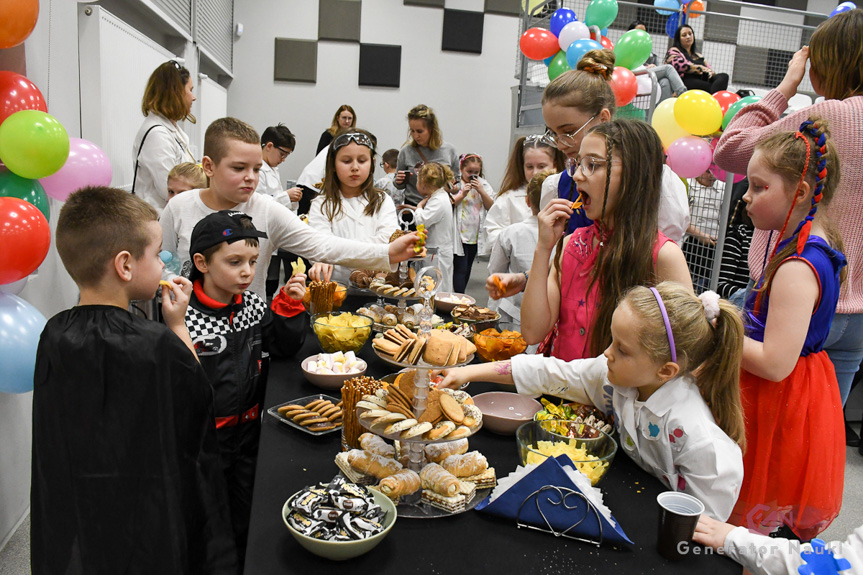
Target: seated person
[[670, 84], [690, 64]]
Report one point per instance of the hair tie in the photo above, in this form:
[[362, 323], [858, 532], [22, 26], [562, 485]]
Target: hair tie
[[667, 324], [710, 302], [466, 157]]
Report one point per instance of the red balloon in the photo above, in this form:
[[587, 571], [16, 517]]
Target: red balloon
[[17, 20], [18, 93], [725, 99], [606, 43], [25, 237], [624, 85], [538, 44]]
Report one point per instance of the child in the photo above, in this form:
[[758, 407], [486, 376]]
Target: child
[[529, 156], [734, 269], [570, 304], [435, 213], [513, 251], [387, 182], [794, 423], [349, 206], [226, 324], [471, 201], [232, 159], [184, 177], [705, 202], [277, 143], [126, 468], [669, 377]]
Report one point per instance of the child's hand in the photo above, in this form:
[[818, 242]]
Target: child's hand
[[401, 176], [710, 532], [321, 272], [175, 300], [295, 193], [453, 378], [507, 285], [795, 73], [552, 222], [296, 287], [403, 248]]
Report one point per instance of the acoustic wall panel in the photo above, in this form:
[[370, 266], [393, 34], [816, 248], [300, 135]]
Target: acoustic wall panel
[[380, 65], [462, 31], [339, 20], [431, 3], [295, 60], [503, 7]]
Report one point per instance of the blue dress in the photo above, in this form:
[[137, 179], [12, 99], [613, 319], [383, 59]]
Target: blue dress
[[567, 190]]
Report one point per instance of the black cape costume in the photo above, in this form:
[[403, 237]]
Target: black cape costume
[[126, 471]]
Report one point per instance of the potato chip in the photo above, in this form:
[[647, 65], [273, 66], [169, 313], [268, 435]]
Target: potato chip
[[588, 464], [298, 267]]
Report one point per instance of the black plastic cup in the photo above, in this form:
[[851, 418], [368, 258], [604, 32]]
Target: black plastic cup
[[678, 516]]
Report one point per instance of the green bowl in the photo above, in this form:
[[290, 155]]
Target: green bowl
[[344, 550]]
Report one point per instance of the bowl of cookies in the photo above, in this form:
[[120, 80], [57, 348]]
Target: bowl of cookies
[[591, 450], [445, 301], [341, 331], [504, 412], [339, 532], [479, 317], [494, 345]]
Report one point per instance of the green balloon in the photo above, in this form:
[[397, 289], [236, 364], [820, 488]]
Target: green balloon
[[13, 186], [33, 144], [736, 107], [558, 65], [631, 112], [600, 13], [633, 49]]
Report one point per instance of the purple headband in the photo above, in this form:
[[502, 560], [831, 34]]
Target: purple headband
[[667, 324]]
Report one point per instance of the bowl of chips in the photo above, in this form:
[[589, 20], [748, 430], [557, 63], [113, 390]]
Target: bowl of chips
[[323, 297], [494, 345], [342, 331], [592, 456]]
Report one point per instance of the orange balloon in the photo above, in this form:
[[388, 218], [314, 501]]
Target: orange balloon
[[17, 20], [697, 5]]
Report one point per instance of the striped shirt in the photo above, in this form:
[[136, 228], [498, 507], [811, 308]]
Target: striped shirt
[[734, 270]]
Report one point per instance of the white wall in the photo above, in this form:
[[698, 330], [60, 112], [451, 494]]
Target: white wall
[[469, 92]]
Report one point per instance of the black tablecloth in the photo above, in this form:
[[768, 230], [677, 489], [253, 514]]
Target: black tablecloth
[[290, 460]]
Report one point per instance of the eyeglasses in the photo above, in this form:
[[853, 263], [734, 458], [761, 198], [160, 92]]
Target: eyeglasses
[[588, 165], [355, 137], [283, 152], [567, 140]]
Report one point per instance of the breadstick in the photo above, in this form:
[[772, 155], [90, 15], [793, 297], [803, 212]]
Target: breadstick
[[404, 482], [465, 465], [373, 464], [374, 444], [437, 479]]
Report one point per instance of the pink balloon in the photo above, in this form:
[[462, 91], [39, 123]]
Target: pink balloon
[[87, 165], [689, 156]]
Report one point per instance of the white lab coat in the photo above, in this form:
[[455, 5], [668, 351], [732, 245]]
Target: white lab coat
[[353, 224], [314, 171], [508, 209], [672, 435], [437, 217], [269, 183], [513, 253], [165, 146]]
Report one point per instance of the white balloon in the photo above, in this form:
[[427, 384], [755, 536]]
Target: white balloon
[[14, 288], [645, 86], [572, 32]]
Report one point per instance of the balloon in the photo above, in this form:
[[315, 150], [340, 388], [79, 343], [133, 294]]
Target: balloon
[[87, 166], [538, 44], [696, 5], [736, 107], [25, 237], [15, 287], [698, 112], [31, 191], [33, 144], [578, 49], [21, 324], [558, 65], [633, 49], [720, 175], [18, 93], [548, 60], [600, 13], [630, 111], [725, 99], [624, 85], [17, 20], [673, 23], [572, 32], [606, 43], [689, 156], [560, 18], [666, 7], [595, 33], [664, 123], [645, 86], [844, 7]]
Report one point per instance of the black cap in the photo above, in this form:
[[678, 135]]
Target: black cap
[[223, 226]]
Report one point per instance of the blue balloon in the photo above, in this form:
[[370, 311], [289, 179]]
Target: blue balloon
[[604, 31], [21, 324], [548, 60], [578, 49], [560, 18], [670, 6], [844, 7], [674, 21]]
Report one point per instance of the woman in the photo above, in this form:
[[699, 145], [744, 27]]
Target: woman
[[344, 118], [690, 64], [160, 143], [667, 77], [425, 145]]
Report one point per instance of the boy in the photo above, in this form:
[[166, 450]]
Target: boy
[[126, 470], [387, 182], [232, 160], [277, 143], [226, 325]]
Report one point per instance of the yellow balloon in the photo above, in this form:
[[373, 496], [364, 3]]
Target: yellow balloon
[[664, 123], [698, 112]]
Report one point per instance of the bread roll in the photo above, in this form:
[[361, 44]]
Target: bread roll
[[404, 482], [373, 464], [465, 465]]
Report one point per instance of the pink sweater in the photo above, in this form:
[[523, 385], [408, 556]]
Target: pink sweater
[[845, 121]]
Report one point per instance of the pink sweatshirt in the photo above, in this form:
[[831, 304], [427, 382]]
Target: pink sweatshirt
[[845, 122]]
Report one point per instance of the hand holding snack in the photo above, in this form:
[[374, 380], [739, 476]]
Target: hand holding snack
[[321, 272], [403, 248], [296, 287], [552, 222], [175, 300], [505, 285]]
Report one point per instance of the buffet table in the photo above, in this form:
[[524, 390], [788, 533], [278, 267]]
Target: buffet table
[[290, 460]]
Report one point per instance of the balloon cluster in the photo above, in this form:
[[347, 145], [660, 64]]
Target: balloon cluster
[[567, 40]]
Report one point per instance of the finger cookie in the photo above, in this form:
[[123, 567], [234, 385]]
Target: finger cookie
[[417, 430], [400, 426]]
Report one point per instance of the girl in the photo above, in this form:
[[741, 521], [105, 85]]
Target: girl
[[669, 377], [184, 177], [794, 423], [529, 156], [836, 72], [349, 206], [471, 200], [618, 175], [425, 145], [344, 119], [694, 71], [435, 213]]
